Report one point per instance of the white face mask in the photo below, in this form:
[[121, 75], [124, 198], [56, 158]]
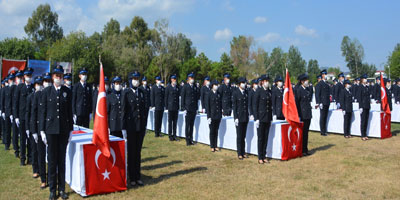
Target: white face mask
[[227, 81], [215, 87], [68, 82], [266, 84], [158, 82], [208, 83], [280, 84], [38, 87], [173, 83], [135, 83], [242, 85], [306, 83], [28, 79], [144, 83], [57, 81], [46, 84], [83, 77], [348, 86], [18, 81], [117, 87], [255, 86], [364, 81], [6, 84], [191, 81]]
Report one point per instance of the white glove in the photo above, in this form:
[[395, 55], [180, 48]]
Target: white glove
[[396, 103], [27, 133], [209, 120], [17, 121], [203, 111], [257, 123], [124, 134], [109, 131], [4, 116], [361, 110], [338, 105], [11, 118], [355, 100], [70, 136], [184, 112], [251, 117], [35, 137], [344, 112], [152, 108], [43, 137], [273, 117], [74, 118], [236, 122], [321, 106]]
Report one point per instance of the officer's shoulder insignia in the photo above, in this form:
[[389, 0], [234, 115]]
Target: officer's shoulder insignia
[[65, 94]]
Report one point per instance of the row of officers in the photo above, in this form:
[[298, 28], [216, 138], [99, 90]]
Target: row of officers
[[41, 113]]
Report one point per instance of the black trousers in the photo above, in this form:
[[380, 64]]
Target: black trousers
[[56, 149], [347, 123], [146, 116], [24, 143], [324, 116], [7, 132], [306, 128], [15, 137], [364, 122], [189, 123], [262, 135], [83, 120], [172, 123], [34, 153], [214, 127], [158, 116], [135, 143], [240, 138], [41, 154], [116, 133], [2, 130], [227, 111]]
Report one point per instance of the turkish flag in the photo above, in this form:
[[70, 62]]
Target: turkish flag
[[77, 132], [9, 66], [385, 125], [100, 128], [384, 98], [292, 141], [289, 108], [102, 174]]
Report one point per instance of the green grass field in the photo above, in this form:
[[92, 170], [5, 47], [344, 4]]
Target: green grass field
[[339, 169]]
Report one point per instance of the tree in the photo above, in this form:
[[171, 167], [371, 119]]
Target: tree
[[258, 63], [240, 53], [14, 48], [295, 63], [111, 28], [313, 70], [353, 52], [276, 63], [225, 65], [394, 62], [334, 70], [42, 26]]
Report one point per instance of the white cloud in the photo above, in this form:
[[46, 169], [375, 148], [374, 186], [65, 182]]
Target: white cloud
[[224, 34], [228, 6], [260, 19], [302, 30], [269, 37]]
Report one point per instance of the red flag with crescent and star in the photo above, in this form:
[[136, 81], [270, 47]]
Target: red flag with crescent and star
[[385, 115], [9, 66], [292, 134], [100, 126]]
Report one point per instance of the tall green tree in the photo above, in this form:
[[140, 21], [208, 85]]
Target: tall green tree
[[241, 53], [313, 70], [353, 52], [393, 62], [14, 48], [225, 65], [295, 63], [111, 28], [276, 64]]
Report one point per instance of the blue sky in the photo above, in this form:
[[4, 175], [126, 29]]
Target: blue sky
[[315, 27]]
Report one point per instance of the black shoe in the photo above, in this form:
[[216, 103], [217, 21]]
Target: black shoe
[[309, 153], [140, 183], [63, 195], [22, 163], [7, 148], [176, 139], [324, 134], [52, 196], [16, 155], [171, 139], [160, 135], [29, 162]]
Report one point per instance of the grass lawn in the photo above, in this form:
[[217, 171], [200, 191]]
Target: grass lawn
[[339, 169]]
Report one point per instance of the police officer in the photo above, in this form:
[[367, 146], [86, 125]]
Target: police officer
[[203, 93], [214, 114], [346, 102], [114, 107], [172, 105], [322, 97], [365, 106], [82, 100], [56, 125], [15, 127], [189, 102], [96, 92], [146, 91], [338, 89], [376, 90], [241, 115], [157, 98], [6, 104], [21, 93], [226, 93], [263, 115], [277, 98], [68, 80], [1, 111], [388, 89], [34, 130], [133, 129], [396, 91], [251, 92], [303, 104], [47, 80]]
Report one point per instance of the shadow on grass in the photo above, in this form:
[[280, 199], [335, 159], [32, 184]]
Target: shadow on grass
[[394, 133], [321, 148], [153, 158], [148, 180], [162, 165]]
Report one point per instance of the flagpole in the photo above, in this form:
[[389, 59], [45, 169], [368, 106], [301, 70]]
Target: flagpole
[[1, 67]]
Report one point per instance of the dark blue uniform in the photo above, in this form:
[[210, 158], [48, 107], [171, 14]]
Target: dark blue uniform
[[277, 98], [82, 103], [157, 97], [226, 93], [365, 105], [240, 103], [203, 96], [346, 104], [263, 113], [146, 93], [172, 105], [114, 113], [322, 96], [189, 101], [214, 113], [303, 99], [6, 99]]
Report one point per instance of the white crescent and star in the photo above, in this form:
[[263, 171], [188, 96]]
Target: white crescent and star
[[284, 93], [383, 92], [98, 153], [13, 68], [298, 135], [101, 95]]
